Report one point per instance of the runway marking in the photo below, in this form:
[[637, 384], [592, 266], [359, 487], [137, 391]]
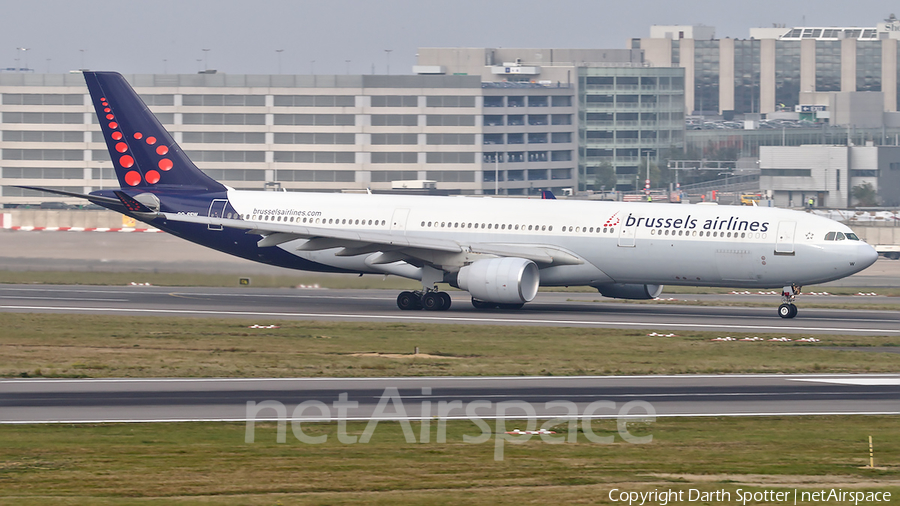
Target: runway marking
[[61, 298], [419, 418], [855, 381], [434, 318], [793, 377]]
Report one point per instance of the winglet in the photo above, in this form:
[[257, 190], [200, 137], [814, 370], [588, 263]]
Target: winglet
[[132, 204]]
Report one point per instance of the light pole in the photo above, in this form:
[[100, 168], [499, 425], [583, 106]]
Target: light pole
[[24, 55], [82, 58], [312, 67], [165, 68], [205, 60], [387, 53], [278, 54], [348, 66]]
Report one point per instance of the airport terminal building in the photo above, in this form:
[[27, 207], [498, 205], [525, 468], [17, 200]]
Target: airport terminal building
[[302, 132], [775, 67]]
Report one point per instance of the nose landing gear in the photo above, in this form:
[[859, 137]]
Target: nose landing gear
[[787, 309]]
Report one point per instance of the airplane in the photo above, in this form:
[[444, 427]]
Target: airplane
[[498, 250]]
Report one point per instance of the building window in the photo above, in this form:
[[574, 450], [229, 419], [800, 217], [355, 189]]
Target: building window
[[538, 119], [515, 120], [395, 120], [433, 157], [384, 176], [449, 101], [493, 138], [493, 120], [227, 156], [313, 101], [394, 101], [43, 154], [538, 101], [515, 138], [395, 139], [314, 138], [317, 176], [223, 137], [65, 118], [515, 101], [561, 119], [561, 156], [561, 137], [42, 99], [562, 101], [451, 176], [312, 119], [236, 174], [537, 138], [828, 65], [395, 157], [222, 100], [315, 157], [223, 119], [163, 100], [786, 172], [537, 156], [42, 173], [454, 139], [42, 136], [493, 101], [449, 120], [868, 65]]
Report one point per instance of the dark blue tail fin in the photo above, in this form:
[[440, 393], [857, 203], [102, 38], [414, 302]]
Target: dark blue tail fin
[[143, 153]]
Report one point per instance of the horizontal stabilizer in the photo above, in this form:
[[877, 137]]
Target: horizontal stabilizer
[[92, 198]]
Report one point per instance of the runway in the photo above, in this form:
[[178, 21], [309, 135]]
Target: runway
[[548, 309], [167, 400]]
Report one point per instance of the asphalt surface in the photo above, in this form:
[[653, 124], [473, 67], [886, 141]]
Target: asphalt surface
[[548, 309], [161, 400]]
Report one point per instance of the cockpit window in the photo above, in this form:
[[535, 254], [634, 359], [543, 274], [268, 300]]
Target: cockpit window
[[840, 236], [852, 237], [830, 236]]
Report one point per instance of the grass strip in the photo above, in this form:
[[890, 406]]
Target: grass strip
[[204, 463], [59, 345]]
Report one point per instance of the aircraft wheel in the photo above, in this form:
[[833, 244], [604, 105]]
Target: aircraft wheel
[[480, 304], [511, 306], [446, 298], [408, 301], [787, 310], [432, 301]]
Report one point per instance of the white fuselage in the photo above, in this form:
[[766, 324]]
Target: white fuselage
[[619, 242]]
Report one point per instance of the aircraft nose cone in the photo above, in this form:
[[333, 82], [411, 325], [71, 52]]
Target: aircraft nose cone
[[867, 256]]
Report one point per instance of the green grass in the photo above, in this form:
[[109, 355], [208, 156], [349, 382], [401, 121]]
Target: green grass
[[210, 463], [56, 345]]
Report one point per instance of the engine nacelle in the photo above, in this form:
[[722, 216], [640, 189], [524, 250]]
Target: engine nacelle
[[501, 280], [629, 291]]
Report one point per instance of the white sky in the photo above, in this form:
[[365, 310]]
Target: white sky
[[320, 36]]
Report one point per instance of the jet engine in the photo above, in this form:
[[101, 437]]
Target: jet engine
[[501, 280], [629, 291]]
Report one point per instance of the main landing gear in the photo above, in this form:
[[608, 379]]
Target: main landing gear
[[430, 300], [787, 309]]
